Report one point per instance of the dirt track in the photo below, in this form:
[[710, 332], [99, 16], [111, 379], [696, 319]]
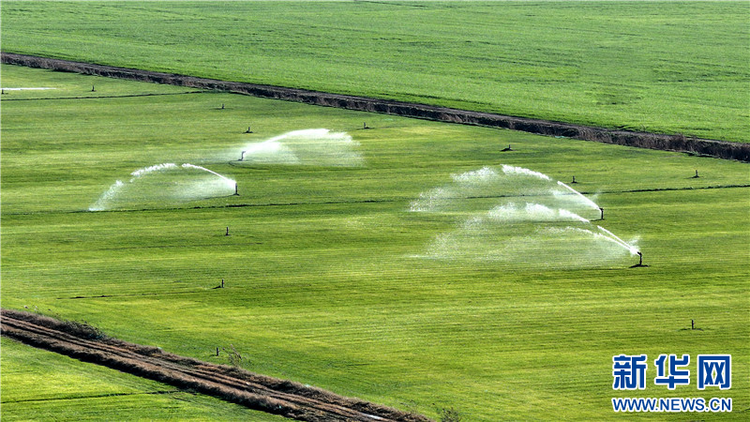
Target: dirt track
[[719, 149], [272, 395]]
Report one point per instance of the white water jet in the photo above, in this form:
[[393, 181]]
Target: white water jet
[[165, 183], [317, 147], [152, 169], [107, 196], [230, 182], [632, 249], [496, 224], [524, 172], [483, 175], [532, 212], [565, 214], [586, 201], [270, 151]]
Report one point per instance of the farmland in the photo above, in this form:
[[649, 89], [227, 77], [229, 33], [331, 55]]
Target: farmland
[[324, 280], [671, 67]]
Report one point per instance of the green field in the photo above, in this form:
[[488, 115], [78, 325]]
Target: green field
[[40, 385], [671, 66], [324, 280]]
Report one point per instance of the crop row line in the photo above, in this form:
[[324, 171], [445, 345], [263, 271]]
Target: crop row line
[[97, 97], [373, 201]]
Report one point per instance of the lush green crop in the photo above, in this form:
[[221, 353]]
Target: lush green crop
[[40, 385], [673, 67], [322, 282]]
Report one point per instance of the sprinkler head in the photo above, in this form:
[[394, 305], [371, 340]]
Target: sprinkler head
[[242, 157], [602, 213], [640, 261], [236, 193]]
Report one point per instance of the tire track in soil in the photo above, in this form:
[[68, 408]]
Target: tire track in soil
[[259, 392]]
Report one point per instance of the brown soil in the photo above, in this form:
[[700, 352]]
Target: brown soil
[[719, 149], [272, 395]]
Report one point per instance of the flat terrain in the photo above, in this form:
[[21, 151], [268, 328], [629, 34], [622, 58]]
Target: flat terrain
[[326, 277], [256, 391], [40, 385], [668, 67]]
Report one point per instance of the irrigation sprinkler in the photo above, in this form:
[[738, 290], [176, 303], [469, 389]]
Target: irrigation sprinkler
[[248, 130], [507, 149], [601, 217], [242, 157], [235, 189], [696, 175], [574, 180], [640, 261]]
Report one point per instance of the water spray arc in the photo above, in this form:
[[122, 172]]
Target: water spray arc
[[585, 200], [165, 183], [534, 220], [316, 147]]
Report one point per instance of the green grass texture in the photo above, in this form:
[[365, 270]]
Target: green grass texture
[[668, 67], [325, 278], [40, 385]]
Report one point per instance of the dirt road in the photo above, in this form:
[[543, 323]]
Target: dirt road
[[272, 395]]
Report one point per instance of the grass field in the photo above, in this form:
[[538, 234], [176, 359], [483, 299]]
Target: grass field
[[671, 67], [48, 386], [322, 282]]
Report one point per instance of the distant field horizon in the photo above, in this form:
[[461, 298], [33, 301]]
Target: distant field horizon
[[664, 67]]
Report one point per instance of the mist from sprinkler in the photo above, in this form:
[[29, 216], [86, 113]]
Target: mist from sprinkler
[[145, 187], [316, 147], [535, 220]]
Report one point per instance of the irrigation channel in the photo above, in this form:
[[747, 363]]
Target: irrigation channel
[[681, 143], [259, 392]]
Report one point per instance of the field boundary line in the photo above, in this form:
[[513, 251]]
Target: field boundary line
[[99, 97], [363, 201], [679, 143]]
